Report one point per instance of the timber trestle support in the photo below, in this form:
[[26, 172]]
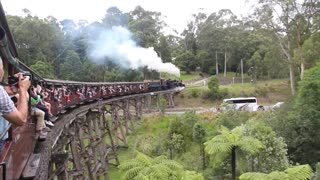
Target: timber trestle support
[[84, 141]]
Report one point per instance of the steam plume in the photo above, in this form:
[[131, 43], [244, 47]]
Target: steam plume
[[117, 44]]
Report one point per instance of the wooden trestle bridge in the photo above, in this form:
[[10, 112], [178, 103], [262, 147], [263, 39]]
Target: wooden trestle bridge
[[84, 141]]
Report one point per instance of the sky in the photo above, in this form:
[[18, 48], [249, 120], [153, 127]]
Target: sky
[[177, 12]]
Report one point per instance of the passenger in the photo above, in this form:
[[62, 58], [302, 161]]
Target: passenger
[[17, 116], [44, 99], [66, 94], [36, 103], [80, 95]]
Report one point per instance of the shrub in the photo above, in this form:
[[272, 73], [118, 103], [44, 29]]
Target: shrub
[[194, 93], [213, 84], [223, 93], [261, 91]]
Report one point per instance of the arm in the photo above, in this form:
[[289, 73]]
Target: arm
[[19, 115]]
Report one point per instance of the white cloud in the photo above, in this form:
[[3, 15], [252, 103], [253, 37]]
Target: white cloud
[[178, 12]]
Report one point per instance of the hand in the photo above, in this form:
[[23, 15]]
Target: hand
[[24, 82]]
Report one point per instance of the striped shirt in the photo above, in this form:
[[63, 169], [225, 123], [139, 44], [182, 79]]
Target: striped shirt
[[6, 104]]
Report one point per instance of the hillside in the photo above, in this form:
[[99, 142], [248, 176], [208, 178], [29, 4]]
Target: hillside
[[268, 92]]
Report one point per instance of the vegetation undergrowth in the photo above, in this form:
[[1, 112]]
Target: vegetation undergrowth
[[174, 137], [267, 92]]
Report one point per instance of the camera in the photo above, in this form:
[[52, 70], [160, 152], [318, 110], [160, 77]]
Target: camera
[[14, 81]]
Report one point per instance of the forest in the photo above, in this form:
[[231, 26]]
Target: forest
[[279, 40], [271, 44]]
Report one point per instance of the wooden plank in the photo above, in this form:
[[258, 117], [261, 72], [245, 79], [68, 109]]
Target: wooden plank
[[42, 136], [32, 166]]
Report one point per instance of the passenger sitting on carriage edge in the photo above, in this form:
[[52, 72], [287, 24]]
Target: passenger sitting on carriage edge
[[43, 94], [17, 116], [36, 104]]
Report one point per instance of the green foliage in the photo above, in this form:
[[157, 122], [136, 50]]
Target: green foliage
[[298, 121], [261, 91], [145, 167], [199, 133], [235, 138], [186, 62], [309, 96], [71, 68], [191, 175], [203, 57], [146, 26], [302, 172], [228, 143], [316, 175], [213, 84], [274, 156], [208, 94], [176, 143], [194, 93], [232, 118], [162, 104], [189, 77], [43, 69]]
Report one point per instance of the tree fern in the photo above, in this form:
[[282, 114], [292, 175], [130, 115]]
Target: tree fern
[[230, 141], [303, 172], [191, 175], [145, 167]]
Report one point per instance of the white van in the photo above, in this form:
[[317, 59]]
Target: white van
[[244, 103]]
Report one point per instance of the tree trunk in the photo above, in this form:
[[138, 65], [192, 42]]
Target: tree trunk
[[233, 163], [302, 66], [203, 156], [171, 154], [225, 64], [217, 65], [292, 84]]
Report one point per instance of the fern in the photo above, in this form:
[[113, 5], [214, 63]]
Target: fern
[[303, 172], [299, 172], [145, 167]]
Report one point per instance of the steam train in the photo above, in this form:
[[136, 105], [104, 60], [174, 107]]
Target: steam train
[[17, 144]]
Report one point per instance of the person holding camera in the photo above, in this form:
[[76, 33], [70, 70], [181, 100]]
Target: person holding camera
[[15, 115]]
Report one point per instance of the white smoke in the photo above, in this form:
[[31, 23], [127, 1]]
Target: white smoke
[[117, 44]]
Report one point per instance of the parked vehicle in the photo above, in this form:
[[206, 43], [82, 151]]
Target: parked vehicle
[[277, 105], [243, 103]]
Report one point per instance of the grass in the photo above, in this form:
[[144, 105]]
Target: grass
[[268, 92], [189, 77], [183, 76]]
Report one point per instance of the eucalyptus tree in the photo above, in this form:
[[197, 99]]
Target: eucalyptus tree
[[190, 34], [218, 35], [290, 21], [163, 49], [229, 143], [71, 68], [146, 26], [205, 62], [186, 62], [309, 51], [35, 38], [115, 17]]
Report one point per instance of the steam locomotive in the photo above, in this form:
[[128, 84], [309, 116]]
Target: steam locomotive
[[18, 143]]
